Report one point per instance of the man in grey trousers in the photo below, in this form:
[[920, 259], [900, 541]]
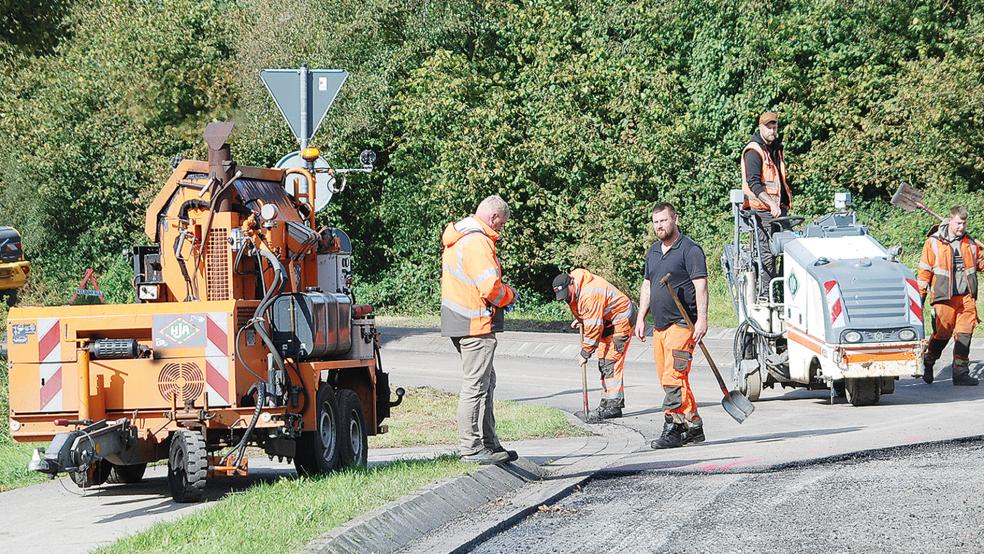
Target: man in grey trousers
[[473, 300]]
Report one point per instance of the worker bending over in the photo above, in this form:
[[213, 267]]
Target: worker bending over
[[606, 316], [948, 273], [673, 341]]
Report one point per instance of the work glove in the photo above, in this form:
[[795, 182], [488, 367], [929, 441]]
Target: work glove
[[576, 324]]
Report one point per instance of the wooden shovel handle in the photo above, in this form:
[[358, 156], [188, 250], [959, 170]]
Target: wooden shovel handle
[[665, 281]]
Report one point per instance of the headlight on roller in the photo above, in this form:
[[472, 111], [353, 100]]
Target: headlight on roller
[[907, 334], [852, 336]]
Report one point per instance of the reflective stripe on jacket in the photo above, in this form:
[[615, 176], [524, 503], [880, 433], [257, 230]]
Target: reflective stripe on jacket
[[773, 178], [936, 265], [602, 309], [472, 291]]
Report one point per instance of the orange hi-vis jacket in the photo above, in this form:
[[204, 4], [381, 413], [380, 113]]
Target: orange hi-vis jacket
[[602, 309], [936, 265], [472, 291], [773, 178]]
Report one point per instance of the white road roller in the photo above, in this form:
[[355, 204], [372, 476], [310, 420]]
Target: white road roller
[[844, 313]]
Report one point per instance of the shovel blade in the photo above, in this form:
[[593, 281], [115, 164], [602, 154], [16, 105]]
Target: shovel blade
[[907, 198], [737, 406]]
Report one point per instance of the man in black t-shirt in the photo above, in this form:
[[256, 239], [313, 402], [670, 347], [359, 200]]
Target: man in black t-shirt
[[673, 341]]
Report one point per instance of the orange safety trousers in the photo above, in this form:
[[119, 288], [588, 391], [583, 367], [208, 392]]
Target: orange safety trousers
[[673, 350], [956, 316], [611, 365]]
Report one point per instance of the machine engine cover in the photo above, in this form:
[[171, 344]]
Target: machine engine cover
[[312, 325]]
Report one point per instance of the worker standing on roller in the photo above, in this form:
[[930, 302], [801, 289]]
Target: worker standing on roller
[[606, 316], [767, 192]]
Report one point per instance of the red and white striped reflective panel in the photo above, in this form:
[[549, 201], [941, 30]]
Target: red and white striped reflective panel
[[837, 317], [217, 358], [915, 311], [49, 356]]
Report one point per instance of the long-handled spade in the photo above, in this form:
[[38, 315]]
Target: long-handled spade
[[585, 415], [910, 200], [733, 402]]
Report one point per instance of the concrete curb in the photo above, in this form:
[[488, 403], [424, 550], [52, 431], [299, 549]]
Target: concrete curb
[[569, 473], [394, 525], [488, 500], [524, 344]]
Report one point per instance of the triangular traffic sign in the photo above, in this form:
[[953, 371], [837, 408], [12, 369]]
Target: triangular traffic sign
[[321, 87], [85, 295]]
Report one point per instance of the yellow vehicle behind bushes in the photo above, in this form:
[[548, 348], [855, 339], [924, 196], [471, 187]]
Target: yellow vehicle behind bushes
[[13, 267]]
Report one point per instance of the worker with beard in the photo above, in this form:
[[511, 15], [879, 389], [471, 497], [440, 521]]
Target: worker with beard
[[767, 192], [948, 271], [673, 341]]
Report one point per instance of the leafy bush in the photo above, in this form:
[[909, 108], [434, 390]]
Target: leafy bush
[[582, 114]]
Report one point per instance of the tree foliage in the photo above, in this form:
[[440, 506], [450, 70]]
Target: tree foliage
[[581, 114]]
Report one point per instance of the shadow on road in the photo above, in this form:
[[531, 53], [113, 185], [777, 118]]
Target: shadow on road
[[637, 467], [776, 437]]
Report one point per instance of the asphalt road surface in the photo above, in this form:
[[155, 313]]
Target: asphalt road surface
[[920, 499], [787, 427]]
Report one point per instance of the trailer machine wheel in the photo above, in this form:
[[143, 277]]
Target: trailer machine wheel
[[187, 466], [126, 474], [352, 440], [317, 452]]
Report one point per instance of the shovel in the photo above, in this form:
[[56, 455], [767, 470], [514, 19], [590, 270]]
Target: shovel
[[910, 200], [585, 415], [734, 402]]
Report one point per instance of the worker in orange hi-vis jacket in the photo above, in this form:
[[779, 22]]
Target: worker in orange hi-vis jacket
[[606, 316], [948, 271], [473, 300]]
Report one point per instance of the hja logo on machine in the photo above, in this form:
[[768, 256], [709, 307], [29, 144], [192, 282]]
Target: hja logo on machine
[[793, 284], [179, 331]]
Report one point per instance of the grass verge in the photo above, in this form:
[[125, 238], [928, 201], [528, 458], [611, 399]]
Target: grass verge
[[428, 416], [13, 465], [13, 456], [284, 515]]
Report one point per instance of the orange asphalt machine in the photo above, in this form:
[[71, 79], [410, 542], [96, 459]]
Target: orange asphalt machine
[[245, 333]]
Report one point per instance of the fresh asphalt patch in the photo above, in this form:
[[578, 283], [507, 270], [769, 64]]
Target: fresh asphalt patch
[[905, 499]]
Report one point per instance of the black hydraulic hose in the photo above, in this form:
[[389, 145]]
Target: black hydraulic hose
[[304, 391], [259, 266], [275, 287], [189, 289], [189, 204], [239, 355], [260, 402]]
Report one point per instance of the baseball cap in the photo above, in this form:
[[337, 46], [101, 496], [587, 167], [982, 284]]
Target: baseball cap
[[768, 117], [562, 286]]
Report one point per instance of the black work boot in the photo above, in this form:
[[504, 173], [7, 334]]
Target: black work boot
[[961, 374], [608, 409], [694, 433], [933, 352], [928, 372], [672, 436]]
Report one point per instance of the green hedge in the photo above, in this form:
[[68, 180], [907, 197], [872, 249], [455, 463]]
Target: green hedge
[[580, 113]]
